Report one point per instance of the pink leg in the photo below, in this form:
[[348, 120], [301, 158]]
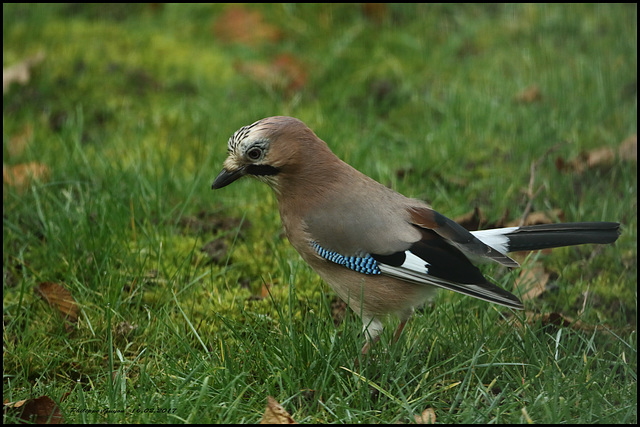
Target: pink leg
[[368, 344], [398, 331], [396, 337]]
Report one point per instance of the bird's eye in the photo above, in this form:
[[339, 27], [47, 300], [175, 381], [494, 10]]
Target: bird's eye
[[254, 154]]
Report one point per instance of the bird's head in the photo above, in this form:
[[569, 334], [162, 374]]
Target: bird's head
[[265, 150]]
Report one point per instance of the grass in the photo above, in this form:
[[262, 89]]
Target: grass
[[130, 112]]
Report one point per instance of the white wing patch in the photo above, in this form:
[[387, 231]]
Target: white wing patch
[[415, 263], [416, 270], [413, 269], [496, 238]]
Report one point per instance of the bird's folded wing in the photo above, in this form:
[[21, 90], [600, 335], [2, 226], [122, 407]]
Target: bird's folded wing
[[432, 262], [408, 242], [458, 236]]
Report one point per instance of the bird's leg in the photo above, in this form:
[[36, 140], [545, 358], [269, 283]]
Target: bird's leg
[[368, 344], [372, 330], [398, 332], [372, 341]]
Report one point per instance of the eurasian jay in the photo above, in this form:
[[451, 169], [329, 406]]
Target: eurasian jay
[[381, 252]]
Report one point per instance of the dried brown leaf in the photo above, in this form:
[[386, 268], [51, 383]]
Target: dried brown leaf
[[207, 222], [41, 410], [551, 319], [19, 141], [59, 297], [375, 12], [338, 310], [561, 164], [559, 320], [276, 414], [284, 73], [124, 329], [545, 319], [628, 150], [264, 289], [20, 72], [532, 282], [20, 176], [600, 157], [240, 25], [428, 416], [294, 71], [529, 95], [217, 250], [535, 218], [500, 222], [471, 220]]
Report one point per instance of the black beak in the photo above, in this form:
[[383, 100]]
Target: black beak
[[226, 177]]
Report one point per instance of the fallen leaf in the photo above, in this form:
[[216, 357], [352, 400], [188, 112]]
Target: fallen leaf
[[600, 157], [338, 310], [500, 223], [19, 141], [217, 250], [284, 73], [628, 149], [124, 329], [551, 319], [20, 72], [471, 220], [295, 72], [240, 25], [59, 297], [561, 164], [535, 218], [205, 222], [529, 95], [559, 320], [41, 410], [404, 172], [545, 319], [375, 12], [276, 414], [264, 290], [428, 416], [532, 282], [384, 92], [20, 176]]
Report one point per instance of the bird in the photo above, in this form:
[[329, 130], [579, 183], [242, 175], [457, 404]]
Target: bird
[[381, 252]]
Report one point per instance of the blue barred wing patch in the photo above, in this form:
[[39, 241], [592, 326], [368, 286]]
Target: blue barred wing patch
[[364, 265]]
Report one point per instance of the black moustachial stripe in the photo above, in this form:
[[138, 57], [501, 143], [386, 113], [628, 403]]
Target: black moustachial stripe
[[262, 170]]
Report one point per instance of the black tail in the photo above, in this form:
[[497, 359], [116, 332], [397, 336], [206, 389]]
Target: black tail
[[543, 236]]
